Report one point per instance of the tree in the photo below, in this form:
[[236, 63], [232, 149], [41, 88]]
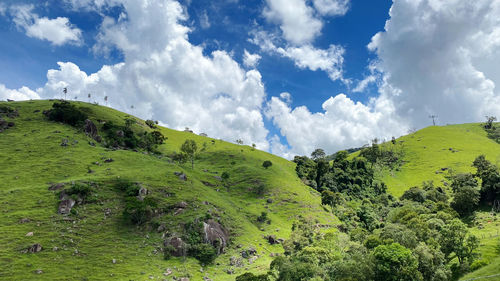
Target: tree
[[490, 179], [189, 148], [465, 200], [266, 164], [65, 91], [331, 198], [456, 239], [225, 178], [239, 141], [489, 122], [318, 154], [394, 262]]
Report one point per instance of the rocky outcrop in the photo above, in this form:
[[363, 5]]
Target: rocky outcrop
[[176, 246], [35, 248], [216, 235], [66, 204], [91, 130]]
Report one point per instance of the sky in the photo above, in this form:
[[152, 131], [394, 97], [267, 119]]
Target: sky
[[288, 75]]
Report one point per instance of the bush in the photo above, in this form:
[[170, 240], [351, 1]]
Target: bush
[[151, 124], [80, 189], [477, 264], [263, 218], [204, 253], [266, 164], [66, 112], [139, 212]]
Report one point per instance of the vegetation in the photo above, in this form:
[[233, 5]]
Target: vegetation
[[266, 164], [189, 149]]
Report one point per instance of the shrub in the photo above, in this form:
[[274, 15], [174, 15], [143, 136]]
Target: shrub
[[139, 212], [204, 253], [80, 189], [266, 164], [66, 112], [477, 264], [151, 124], [263, 218], [260, 189]]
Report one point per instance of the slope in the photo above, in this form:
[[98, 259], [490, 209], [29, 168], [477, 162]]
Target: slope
[[95, 242]]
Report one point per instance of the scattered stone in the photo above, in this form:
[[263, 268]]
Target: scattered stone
[[269, 200], [272, 239], [109, 160], [64, 142], [249, 252], [107, 212], [182, 205], [235, 261], [120, 133], [218, 178], [206, 183], [36, 111], [205, 278], [29, 234], [35, 248], [182, 176], [216, 235], [184, 279], [230, 271], [38, 271], [91, 143], [252, 259], [74, 142], [167, 272], [56, 186], [114, 261], [24, 220], [55, 249]]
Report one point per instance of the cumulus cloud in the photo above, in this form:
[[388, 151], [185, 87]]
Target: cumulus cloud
[[58, 31], [331, 7], [295, 18], [250, 60], [167, 78], [306, 56], [441, 57], [23, 93], [342, 124], [204, 21]]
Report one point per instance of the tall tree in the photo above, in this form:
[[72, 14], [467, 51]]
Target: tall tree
[[190, 149]]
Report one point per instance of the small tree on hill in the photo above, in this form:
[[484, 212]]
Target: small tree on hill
[[489, 122], [318, 154], [189, 148], [266, 164]]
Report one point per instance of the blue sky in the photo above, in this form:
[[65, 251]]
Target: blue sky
[[345, 85]]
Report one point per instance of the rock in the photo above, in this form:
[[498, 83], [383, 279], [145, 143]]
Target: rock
[[120, 133], [216, 235], [182, 205], [91, 143], [114, 261], [269, 200], [66, 204], [205, 278], [177, 246], [35, 248], [142, 193], [109, 160], [107, 212], [272, 239], [184, 279], [55, 249], [249, 252], [38, 271], [91, 129], [218, 178], [64, 142], [181, 176], [29, 234], [230, 271], [167, 272], [252, 259], [24, 220], [56, 186], [235, 261], [161, 228]]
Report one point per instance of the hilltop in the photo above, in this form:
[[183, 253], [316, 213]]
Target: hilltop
[[96, 241]]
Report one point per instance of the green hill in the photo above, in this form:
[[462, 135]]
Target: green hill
[[429, 154], [95, 241]]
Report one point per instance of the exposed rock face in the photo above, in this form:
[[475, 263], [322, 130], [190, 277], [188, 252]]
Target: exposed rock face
[[56, 186], [66, 204], [216, 235], [91, 130], [249, 252], [176, 245], [142, 193], [181, 176]]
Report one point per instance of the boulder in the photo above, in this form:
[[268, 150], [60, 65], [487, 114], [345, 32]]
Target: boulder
[[216, 235], [66, 204], [120, 133], [91, 130], [64, 142], [235, 261], [182, 205], [272, 239], [35, 248], [177, 247], [181, 176], [248, 252]]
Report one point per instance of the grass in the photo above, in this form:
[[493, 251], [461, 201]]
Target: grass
[[89, 241]]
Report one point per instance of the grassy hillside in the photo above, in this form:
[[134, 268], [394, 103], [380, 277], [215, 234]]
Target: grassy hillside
[[428, 154], [428, 151], [95, 242]]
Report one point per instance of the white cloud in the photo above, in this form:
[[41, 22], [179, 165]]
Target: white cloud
[[23, 93], [204, 21], [441, 57], [250, 60], [286, 97], [331, 7], [306, 56], [167, 78], [3, 9], [58, 31], [361, 87], [297, 20], [342, 124]]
